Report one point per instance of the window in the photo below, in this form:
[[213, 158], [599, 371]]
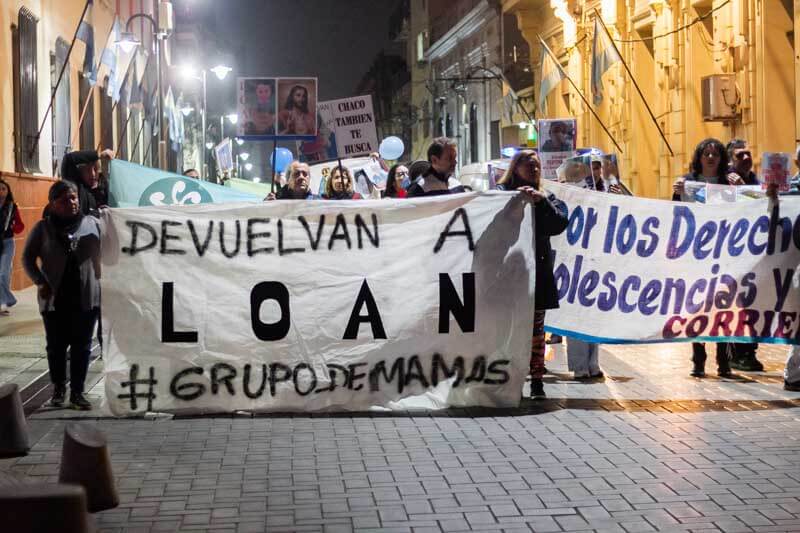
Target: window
[[448, 128], [426, 120], [106, 117], [473, 133], [87, 126], [122, 131], [27, 97], [61, 111], [136, 126]]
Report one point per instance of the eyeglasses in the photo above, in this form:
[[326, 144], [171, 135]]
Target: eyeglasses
[[297, 173], [743, 154]]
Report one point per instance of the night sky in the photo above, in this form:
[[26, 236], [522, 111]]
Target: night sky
[[334, 40]]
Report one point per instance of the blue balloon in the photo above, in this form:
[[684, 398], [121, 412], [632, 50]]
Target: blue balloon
[[281, 158], [391, 148]]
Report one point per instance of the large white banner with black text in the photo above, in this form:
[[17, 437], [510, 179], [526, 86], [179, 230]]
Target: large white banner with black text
[[638, 270], [318, 305]]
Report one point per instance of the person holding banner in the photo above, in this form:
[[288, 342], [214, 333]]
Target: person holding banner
[[81, 169], [395, 186], [340, 185], [67, 244], [297, 186], [524, 175], [709, 165], [438, 178]]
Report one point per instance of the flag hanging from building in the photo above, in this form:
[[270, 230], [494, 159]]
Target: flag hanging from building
[[108, 58], [604, 54], [552, 74], [85, 34]]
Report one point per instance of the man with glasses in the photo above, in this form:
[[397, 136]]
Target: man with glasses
[[297, 186]]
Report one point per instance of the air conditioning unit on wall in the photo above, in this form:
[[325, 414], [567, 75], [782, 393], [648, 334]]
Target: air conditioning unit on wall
[[720, 97]]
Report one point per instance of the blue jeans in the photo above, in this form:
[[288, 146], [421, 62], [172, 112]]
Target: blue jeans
[[6, 259]]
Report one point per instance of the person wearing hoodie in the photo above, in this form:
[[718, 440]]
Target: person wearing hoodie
[[81, 168], [62, 257]]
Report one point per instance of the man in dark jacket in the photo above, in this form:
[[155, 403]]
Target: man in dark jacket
[[297, 186], [438, 179]]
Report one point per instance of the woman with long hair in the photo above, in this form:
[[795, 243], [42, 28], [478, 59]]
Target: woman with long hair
[[709, 165], [394, 182], [296, 118], [340, 185], [10, 225], [524, 174]]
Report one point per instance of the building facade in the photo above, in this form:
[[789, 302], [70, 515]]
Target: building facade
[[38, 34], [464, 75], [670, 46]]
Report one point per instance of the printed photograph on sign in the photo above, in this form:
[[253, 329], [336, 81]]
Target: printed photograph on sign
[[557, 135], [257, 106], [775, 170], [297, 98]]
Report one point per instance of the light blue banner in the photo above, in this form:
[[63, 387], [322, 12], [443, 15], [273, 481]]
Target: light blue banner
[[132, 185]]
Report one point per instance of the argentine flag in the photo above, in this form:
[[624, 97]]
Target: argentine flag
[[604, 54], [551, 76], [86, 36]]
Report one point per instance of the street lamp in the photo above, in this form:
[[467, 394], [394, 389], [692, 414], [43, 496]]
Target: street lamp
[[239, 141], [209, 145], [128, 42], [248, 166], [189, 72], [186, 110], [233, 118]]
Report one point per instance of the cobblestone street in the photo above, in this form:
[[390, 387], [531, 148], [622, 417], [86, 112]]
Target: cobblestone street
[[647, 449]]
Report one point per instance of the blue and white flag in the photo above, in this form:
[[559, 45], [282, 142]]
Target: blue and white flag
[[604, 54], [108, 59], [85, 34], [132, 185], [552, 74]]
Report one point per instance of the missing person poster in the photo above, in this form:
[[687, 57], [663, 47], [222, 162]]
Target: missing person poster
[[557, 143]]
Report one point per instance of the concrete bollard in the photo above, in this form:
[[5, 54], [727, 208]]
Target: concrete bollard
[[13, 428], [85, 461], [43, 508]]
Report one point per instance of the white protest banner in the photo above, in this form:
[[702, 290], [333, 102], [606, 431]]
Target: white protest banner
[[318, 305], [637, 270], [557, 143], [353, 124]]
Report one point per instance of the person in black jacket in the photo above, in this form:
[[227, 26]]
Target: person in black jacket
[[438, 177], [81, 168], [524, 175], [297, 186]]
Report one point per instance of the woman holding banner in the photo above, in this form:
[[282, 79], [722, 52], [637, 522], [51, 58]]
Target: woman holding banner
[[524, 175], [709, 165], [340, 185]]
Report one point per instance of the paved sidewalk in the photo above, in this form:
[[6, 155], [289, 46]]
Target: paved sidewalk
[[647, 449]]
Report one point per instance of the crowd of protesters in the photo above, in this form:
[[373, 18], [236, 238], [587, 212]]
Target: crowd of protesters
[[62, 253]]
